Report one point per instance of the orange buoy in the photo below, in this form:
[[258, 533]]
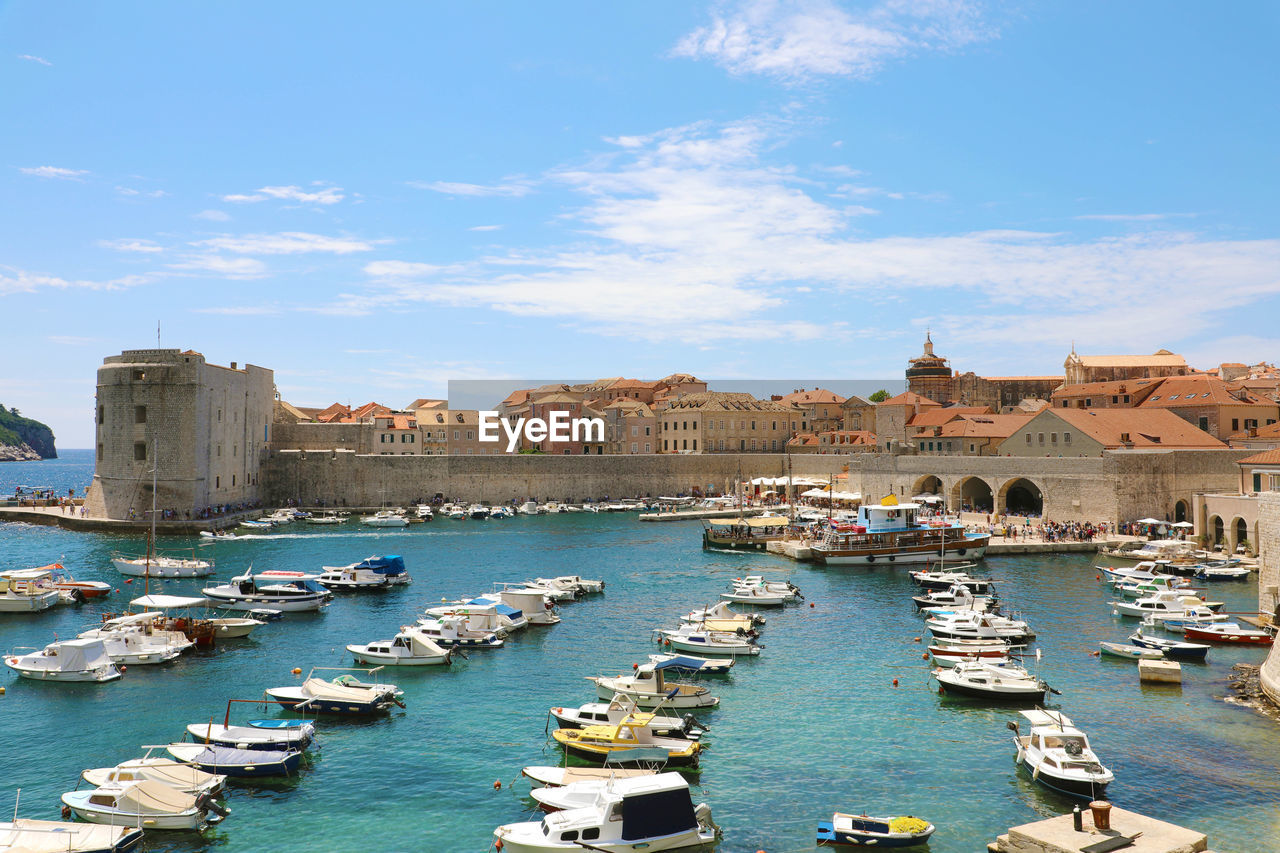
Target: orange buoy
[[635, 666], [497, 845], [915, 639], [895, 682], [924, 656], [1098, 577], [811, 604], [497, 784], [123, 668], [297, 670]]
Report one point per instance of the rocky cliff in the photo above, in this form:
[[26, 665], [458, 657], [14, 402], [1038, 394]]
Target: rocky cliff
[[23, 438]]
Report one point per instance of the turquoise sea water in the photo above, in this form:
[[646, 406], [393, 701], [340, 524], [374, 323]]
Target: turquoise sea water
[[812, 726]]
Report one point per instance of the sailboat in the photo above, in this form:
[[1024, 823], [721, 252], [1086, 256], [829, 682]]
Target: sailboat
[[154, 565]]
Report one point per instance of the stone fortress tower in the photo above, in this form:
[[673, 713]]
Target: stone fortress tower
[[929, 375], [203, 427]]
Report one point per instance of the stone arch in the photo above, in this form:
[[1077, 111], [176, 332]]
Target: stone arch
[[1217, 531], [1021, 496], [930, 484], [973, 494], [1239, 532], [1180, 510]]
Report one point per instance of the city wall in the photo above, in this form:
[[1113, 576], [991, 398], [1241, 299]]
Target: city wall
[[1269, 583]]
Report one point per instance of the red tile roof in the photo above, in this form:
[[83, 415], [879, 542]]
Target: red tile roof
[[1266, 457], [907, 398], [1146, 428]]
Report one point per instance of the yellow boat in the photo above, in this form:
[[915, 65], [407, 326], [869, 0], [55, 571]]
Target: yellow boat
[[596, 743]]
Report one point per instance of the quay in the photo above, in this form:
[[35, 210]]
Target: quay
[[1059, 835], [697, 514]]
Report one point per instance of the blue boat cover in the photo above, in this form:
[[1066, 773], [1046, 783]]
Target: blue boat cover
[[214, 755], [502, 609], [682, 662], [391, 564]]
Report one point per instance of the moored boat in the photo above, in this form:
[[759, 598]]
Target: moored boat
[[27, 591], [166, 771], [340, 696], [385, 518], [1129, 652], [147, 804], [407, 648], [1058, 755], [1173, 649], [253, 737], [596, 742], [985, 680], [238, 763], [890, 533], [694, 665], [743, 534], [866, 831], [24, 834], [158, 566], [617, 710], [274, 589], [370, 573], [68, 660], [1228, 632], [649, 688], [693, 638]]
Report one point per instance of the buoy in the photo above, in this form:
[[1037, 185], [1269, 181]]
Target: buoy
[[1097, 577], [1, 691], [297, 670], [811, 604], [635, 666], [128, 580], [124, 668], [915, 639], [497, 784], [66, 812], [497, 845], [895, 682]]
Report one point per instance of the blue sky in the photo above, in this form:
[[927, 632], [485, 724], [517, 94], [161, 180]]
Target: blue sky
[[372, 200]]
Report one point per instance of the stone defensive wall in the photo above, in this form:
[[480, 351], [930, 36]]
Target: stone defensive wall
[[1269, 584], [336, 476]]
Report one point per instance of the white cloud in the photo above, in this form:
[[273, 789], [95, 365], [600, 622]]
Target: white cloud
[[125, 244], [326, 196], [287, 243], [144, 193], [13, 280], [485, 228], [795, 40], [212, 215], [1132, 217], [220, 265], [510, 189], [31, 58], [53, 172], [399, 269]]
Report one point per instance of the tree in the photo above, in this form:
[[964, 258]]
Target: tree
[[879, 397]]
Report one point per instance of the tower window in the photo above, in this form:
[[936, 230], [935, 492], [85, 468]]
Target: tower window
[[139, 414], [140, 451]]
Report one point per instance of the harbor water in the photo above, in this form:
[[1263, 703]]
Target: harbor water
[[814, 725]]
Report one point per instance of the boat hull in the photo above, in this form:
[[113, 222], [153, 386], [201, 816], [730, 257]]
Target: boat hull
[[293, 699], [1249, 639], [273, 602], [970, 549], [82, 676], [1022, 697], [648, 700], [363, 655], [28, 603], [1082, 788], [183, 820], [138, 569]]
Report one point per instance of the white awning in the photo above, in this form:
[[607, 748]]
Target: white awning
[[1149, 521], [167, 602], [814, 493]]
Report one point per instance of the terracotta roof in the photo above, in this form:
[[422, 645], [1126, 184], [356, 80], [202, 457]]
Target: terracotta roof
[[1270, 431], [1266, 457], [907, 398], [938, 417], [428, 403], [1181, 391], [984, 426], [516, 398], [631, 383], [631, 404], [556, 398], [1146, 428], [726, 401], [679, 379], [1057, 378], [1162, 358], [817, 395], [1132, 387]]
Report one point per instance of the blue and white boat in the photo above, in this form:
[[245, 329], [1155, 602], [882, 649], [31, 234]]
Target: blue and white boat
[[891, 533], [697, 665], [343, 695], [240, 763], [865, 831], [276, 590], [1173, 649], [369, 573], [253, 737]]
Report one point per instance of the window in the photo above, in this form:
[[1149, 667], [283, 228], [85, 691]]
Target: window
[[1040, 438], [1066, 404], [1114, 399], [773, 445], [102, 414], [753, 444], [1257, 481], [686, 444], [1126, 398], [139, 375], [753, 426], [140, 451], [1066, 438], [455, 435], [217, 482], [646, 430], [775, 425], [973, 448], [591, 833], [1053, 438], [633, 447], [1028, 435], [233, 479], [635, 430], [664, 444], [382, 439], [647, 450], [100, 451], [1155, 397], [695, 444], [1235, 424], [470, 434], [1173, 397], [1203, 423]]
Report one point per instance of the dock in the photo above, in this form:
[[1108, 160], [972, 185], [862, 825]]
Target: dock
[[1058, 835], [699, 514]]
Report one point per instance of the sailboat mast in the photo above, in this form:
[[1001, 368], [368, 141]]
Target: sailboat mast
[[151, 537]]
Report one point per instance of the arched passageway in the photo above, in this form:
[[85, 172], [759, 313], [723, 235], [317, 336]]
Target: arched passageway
[[972, 494], [928, 485], [1021, 497], [1180, 511], [1219, 532]]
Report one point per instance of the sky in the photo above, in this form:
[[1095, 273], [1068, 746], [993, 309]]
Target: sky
[[375, 199]]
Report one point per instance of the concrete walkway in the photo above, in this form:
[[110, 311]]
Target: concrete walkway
[[71, 519]]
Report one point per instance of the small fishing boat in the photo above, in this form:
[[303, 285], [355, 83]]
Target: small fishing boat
[[326, 518], [158, 566], [691, 638], [79, 590], [865, 831], [1160, 603], [946, 579], [989, 652], [722, 614], [275, 589], [957, 596], [1130, 652], [1058, 755], [217, 534], [650, 813], [556, 592], [489, 612], [694, 665], [237, 763], [253, 524], [985, 680], [451, 631], [758, 596], [1189, 617], [1222, 573], [407, 648], [343, 695], [581, 586], [649, 688], [370, 573], [233, 628], [477, 512], [385, 518], [1172, 649], [166, 771], [139, 638], [24, 834], [617, 710], [784, 588], [1228, 632], [500, 512], [575, 795], [253, 737], [970, 625], [457, 513], [145, 804], [69, 660], [27, 591]]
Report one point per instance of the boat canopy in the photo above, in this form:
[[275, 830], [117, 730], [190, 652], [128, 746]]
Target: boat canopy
[[638, 755], [653, 815], [151, 796], [168, 602], [500, 609], [80, 655], [757, 521], [391, 564], [683, 662]]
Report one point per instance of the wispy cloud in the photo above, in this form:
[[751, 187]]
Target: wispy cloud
[[220, 265], [32, 58], [399, 269], [510, 189], [324, 195], [212, 215], [125, 244], [485, 228], [53, 172], [130, 191], [13, 280], [1132, 217], [287, 243], [796, 40]]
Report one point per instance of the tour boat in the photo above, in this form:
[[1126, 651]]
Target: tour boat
[[237, 763], [80, 590], [69, 660], [253, 737], [691, 638], [865, 831], [157, 566], [985, 680], [450, 631], [743, 534], [694, 665], [970, 625], [1173, 649], [27, 591], [166, 771], [1228, 632], [407, 648], [147, 804], [1058, 755], [889, 532], [649, 688], [594, 742], [277, 590], [385, 518], [1129, 652], [652, 813], [369, 573], [317, 696], [616, 710], [24, 834]]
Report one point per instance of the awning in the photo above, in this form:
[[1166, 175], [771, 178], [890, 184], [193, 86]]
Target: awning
[[167, 602], [1148, 521], [814, 493], [1182, 524], [929, 499]]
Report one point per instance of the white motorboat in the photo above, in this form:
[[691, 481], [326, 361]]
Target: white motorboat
[[477, 512], [234, 628], [275, 590], [758, 596], [1222, 573], [556, 776], [694, 665], [1173, 601], [385, 518], [425, 512], [158, 566], [722, 612], [653, 812], [407, 648], [450, 631], [147, 804], [616, 710], [69, 660], [946, 578], [533, 603], [958, 596], [971, 625], [343, 695], [217, 534], [327, 518], [986, 680], [485, 613], [253, 737], [27, 591], [1058, 755], [579, 585], [136, 639], [501, 512], [784, 588], [1190, 617], [254, 524], [370, 573], [51, 836], [530, 508], [692, 638], [552, 591], [166, 771], [457, 513], [648, 687]]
